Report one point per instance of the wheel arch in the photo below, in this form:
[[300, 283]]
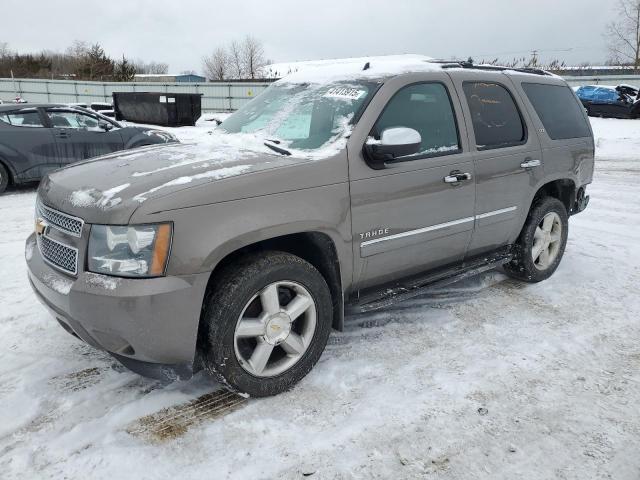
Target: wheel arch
[[317, 248], [10, 171], [564, 189]]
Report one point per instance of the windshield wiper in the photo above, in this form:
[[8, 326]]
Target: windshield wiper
[[275, 148]]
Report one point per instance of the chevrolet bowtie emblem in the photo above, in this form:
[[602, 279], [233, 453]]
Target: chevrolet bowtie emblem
[[41, 226]]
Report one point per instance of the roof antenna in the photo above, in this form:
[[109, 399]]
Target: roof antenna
[[367, 66]]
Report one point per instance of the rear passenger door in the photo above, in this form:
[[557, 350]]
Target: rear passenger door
[[507, 157], [79, 136]]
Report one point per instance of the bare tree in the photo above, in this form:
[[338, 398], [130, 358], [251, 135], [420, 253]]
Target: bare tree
[[236, 60], [78, 48], [4, 50], [624, 34], [253, 57], [216, 66], [154, 68]]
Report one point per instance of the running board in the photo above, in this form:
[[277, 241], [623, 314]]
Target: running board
[[423, 285]]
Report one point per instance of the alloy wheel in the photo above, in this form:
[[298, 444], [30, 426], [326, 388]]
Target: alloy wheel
[[547, 241], [275, 329]]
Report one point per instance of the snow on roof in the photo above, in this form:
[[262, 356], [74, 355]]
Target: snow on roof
[[322, 71]]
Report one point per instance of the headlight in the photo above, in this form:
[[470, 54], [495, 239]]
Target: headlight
[[131, 251]]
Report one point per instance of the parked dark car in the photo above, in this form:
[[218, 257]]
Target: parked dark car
[[616, 102], [38, 138]]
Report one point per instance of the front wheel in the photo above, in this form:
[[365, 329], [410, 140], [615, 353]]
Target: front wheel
[[266, 323], [539, 249]]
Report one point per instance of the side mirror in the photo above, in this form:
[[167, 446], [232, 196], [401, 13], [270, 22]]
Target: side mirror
[[104, 125], [394, 144]]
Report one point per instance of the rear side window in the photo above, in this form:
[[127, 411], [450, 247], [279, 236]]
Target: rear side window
[[497, 122], [560, 113], [425, 107], [71, 119], [23, 118]]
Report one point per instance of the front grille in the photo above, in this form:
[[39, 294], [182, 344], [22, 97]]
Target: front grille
[[62, 221], [60, 256]]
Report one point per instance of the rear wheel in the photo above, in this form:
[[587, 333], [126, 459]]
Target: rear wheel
[[4, 179], [539, 249], [266, 324]]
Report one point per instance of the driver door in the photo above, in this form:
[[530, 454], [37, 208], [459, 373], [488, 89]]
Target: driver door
[[79, 136], [407, 218]]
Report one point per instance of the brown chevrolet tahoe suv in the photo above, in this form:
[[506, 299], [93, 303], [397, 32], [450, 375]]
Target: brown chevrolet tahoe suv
[[339, 189]]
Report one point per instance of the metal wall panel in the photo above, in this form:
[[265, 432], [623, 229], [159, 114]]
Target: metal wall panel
[[215, 96]]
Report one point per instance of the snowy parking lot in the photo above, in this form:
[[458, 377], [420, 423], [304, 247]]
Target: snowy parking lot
[[489, 378]]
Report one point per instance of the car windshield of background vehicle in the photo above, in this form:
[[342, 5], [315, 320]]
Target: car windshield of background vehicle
[[23, 118], [301, 116]]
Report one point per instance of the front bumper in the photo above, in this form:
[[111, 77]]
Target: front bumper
[[144, 323]]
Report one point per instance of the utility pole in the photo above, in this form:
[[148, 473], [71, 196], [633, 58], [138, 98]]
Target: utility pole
[[13, 80], [534, 58]]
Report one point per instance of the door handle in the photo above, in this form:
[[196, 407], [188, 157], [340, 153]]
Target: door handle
[[63, 135], [457, 176], [530, 163]]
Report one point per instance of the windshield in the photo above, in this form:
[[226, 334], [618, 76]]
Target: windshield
[[302, 116]]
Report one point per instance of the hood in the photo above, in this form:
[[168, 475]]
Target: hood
[[109, 189]]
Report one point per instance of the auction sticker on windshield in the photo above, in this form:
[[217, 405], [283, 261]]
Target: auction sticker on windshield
[[345, 92]]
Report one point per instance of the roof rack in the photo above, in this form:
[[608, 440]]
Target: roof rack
[[494, 68]]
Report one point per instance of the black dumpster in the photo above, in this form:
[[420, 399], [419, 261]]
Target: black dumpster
[[167, 109]]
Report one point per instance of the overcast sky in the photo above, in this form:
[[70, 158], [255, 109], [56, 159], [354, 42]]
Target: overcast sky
[[180, 32]]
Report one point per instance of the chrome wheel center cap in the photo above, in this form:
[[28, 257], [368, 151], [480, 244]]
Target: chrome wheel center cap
[[277, 328]]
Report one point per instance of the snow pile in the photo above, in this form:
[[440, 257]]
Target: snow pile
[[28, 250], [58, 283], [87, 197], [326, 71], [101, 281], [83, 198], [384, 63], [216, 174]]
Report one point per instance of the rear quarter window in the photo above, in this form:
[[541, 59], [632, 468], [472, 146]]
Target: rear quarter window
[[560, 113], [22, 118]]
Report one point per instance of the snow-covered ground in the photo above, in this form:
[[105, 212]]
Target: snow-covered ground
[[492, 379]]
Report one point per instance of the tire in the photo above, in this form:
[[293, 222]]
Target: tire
[[233, 350], [4, 179], [545, 230]]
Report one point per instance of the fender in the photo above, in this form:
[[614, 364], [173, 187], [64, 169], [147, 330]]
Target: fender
[[341, 245]]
